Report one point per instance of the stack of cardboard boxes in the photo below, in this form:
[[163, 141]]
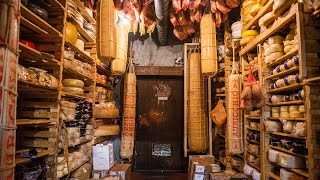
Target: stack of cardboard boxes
[[104, 167]]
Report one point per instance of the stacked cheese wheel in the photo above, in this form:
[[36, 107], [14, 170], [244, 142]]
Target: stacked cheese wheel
[[291, 41], [67, 110], [248, 36], [73, 86], [250, 8], [273, 49], [236, 29]]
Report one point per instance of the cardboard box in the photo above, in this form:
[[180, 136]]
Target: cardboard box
[[200, 177], [102, 157], [124, 170], [99, 174], [112, 177], [200, 165], [226, 176]]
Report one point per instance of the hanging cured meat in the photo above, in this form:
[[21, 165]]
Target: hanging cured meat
[[118, 4], [222, 6], [148, 16], [176, 5], [129, 114], [203, 2], [179, 33], [185, 4], [233, 3], [213, 6], [196, 15], [135, 4], [106, 35], [197, 124], [145, 2], [182, 18], [218, 19], [194, 4], [189, 28], [128, 10], [173, 18], [209, 56], [118, 66]]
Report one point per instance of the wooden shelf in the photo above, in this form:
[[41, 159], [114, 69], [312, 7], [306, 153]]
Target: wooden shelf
[[83, 12], [311, 80], [80, 29], [255, 118], [104, 85], [82, 141], [20, 122], [29, 15], [42, 153], [238, 155], [103, 71], [221, 95], [82, 56], [253, 165], [253, 129], [77, 74], [288, 119], [278, 24], [283, 73], [282, 59], [272, 175], [287, 151], [25, 22], [158, 71], [74, 96], [254, 22], [253, 141], [300, 172], [249, 152], [286, 103], [35, 55], [25, 85], [237, 168], [286, 135], [286, 88]]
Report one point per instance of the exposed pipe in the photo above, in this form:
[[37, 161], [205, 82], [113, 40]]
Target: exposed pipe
[[162, 9]]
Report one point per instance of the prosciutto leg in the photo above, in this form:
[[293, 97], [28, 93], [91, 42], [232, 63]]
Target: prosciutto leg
[[176, 5]]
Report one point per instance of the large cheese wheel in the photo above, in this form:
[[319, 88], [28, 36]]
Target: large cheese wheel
[[267, 19], [247, 19], [291, 161], [275, 40], [288, 48], [244, 41], [262, 2], [274, 48], [248, 3], [288, 42], [73, 83], [249, 33], [290, 37], [71, 32], [255, 9], [73, 90], [107, 130]]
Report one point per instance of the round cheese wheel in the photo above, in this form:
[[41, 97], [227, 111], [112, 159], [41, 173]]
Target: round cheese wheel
[[275, 40], [236, 25], [293, 26], [236, 34], [249, 33], [289, 37], [80, 44], [245, 40], [284, 108], [267, 19], [71, 32], [73, 90], [248, 3], [275, 48], [247, 19], [73, 83], [262, 2], [288, 42], [107, 130], [275, 55], [288, 48], [255, 9]]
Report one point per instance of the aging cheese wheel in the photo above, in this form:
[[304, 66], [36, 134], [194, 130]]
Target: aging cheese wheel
[[262, 2], [73, 90], [255, 9], [248, 3], [267, 19], [249, 33], [275, 40], [245, 40], [107, 130], [273, 155], [247, 19], [290, 37], [73, 83], [71, 32], [288, 42], [291, 161], [274, 48], [288, 48], [275, 55]]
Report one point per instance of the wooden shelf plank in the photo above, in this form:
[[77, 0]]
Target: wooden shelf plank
[[255, 118], [286, 103], [82, 56], [104, 85], [77, 74], [253, 141], [35, 55], [272, 175], [266, 8], [74, 96], [300, 172], [20, 122], [311, 80], [286, 88], [24, 85], [278, 24], [287, 151], [288, 119], [282, 59], [103, 71], [253, 154], [25, 12], [82, 141], [283, 73], [221, 95], [253, 129], [158, 71], [80, 29], [25, 22], [83, 12], [286, 135], [42, 153], [253, 165]]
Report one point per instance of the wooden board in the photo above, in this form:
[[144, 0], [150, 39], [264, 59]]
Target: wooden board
[[158, 71]]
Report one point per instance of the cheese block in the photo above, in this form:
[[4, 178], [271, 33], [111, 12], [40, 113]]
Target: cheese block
[[236, 26], [276, 115], [296, 114], [287, 126], [249, 33], [275, 40], [73, 83], [273, 155], [107, 130], [289, 175], [288, 48], [73, 90], [71, 32], [284, 108], [291, 161]]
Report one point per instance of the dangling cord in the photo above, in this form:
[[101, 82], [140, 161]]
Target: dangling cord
[[234, 69]]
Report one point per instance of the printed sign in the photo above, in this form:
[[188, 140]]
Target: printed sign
[[161, 149]]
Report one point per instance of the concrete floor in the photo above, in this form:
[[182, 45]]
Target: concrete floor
[[159, 176]]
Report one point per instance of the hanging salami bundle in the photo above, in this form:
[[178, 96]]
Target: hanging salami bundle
[[129, 113], [106, 35], [197, 124], [234, 117], [209, 57]]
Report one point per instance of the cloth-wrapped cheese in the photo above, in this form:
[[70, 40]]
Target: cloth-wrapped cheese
[[280, 6], [107, 130], [287, 126], [291, 161], [273, 155], [273, 126], [106, 110], [300, 129], [219, 115]]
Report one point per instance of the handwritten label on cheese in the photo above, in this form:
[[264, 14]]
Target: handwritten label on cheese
[[200, 169]]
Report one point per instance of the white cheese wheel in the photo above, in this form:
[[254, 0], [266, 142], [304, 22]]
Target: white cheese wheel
[[274, 56], [288, 175], [60, 159], [73, 83], [60, 174], [265, 45], [290, 161], [273, 155], [73, 90], [236, 25], [267, 19], [275, 40], [274, 48], [288, 48]]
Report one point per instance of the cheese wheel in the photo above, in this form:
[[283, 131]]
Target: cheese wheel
[[284, 108], [80, 44], [107, 130], [73, 90], [71, 32], [301, 109], [248, 3], [60, 167], [265, 45], [290, 37], [236, 25], [64, 103], [284, 114], [288, 42], [275, 40], [291, 161], [262, 2], [275, 55], [267, 19], [255, 9], [288, 48], [293, 108], [273, 155], [293, 26], [244, 41], [249, 33], [247, 19], [296, 114], [273, 48], [73, 83], [236, 34]]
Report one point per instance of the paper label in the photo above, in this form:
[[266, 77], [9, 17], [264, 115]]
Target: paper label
[[96, 176], [162, 98], [200, 169], [284, 160], [161, 149], [198, 177]]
